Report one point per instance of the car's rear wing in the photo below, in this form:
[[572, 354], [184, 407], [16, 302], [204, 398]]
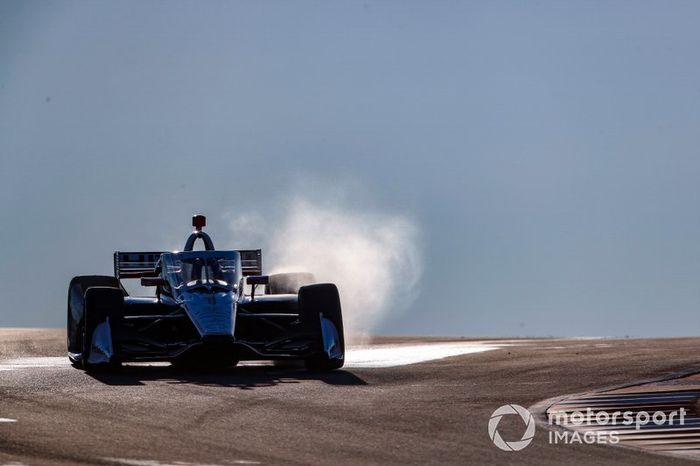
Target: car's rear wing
[[143, 264]]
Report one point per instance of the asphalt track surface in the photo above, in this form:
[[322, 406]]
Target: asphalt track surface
[[431, 412]]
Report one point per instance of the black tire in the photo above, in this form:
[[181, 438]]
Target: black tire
[[101, 303], [76, 310], [288, 283], [315, 300]]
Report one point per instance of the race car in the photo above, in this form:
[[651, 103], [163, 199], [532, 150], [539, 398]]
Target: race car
[[211, 308]]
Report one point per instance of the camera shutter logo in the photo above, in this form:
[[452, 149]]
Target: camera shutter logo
[[529, 429]]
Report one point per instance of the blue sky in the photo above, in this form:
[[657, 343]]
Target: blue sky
[[548, 151]]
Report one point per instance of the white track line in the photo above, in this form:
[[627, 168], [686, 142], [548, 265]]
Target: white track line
[[29, 363], [133, 462], [402, 355]]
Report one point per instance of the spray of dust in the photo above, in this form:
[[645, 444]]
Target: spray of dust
[[374, 259]]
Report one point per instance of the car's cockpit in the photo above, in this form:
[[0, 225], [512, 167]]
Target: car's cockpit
[[205, 270]]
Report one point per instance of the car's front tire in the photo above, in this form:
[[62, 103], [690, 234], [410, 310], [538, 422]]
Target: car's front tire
[[316, 301], [76, 312], [102, 304]]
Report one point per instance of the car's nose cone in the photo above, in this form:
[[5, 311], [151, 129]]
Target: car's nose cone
[[211, 313]]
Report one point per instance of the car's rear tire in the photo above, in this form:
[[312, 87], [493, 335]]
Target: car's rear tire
[[102, 303], [314, 301], [288, 283], [76, 311]]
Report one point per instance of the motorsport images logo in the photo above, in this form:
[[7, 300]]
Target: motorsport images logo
[[579, 427], [527, 418]]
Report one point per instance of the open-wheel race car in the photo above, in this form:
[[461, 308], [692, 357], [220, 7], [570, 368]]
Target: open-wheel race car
[[212, 308]]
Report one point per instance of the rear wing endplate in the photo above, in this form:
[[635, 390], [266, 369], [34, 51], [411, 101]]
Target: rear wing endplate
[[251, 261], [135, 264], [143, 264]]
